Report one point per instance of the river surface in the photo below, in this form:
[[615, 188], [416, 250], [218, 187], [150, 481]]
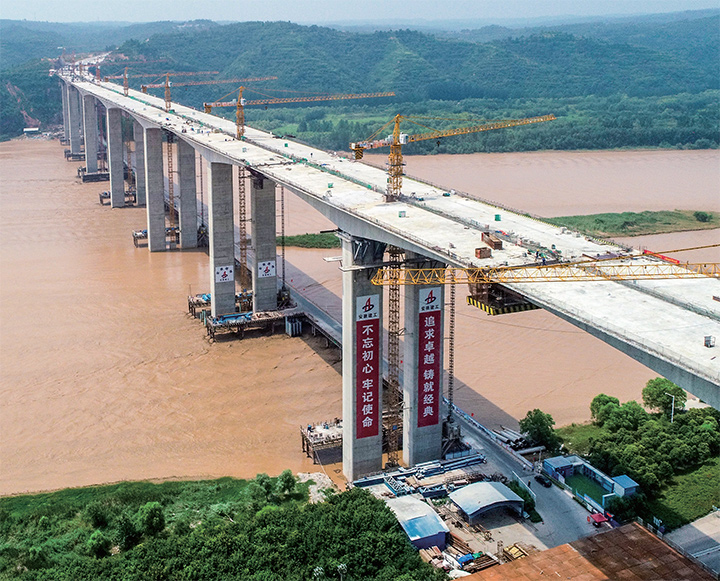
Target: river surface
[[103, 376]]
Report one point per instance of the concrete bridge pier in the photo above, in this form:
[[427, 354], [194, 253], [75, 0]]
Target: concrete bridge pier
[[90, 126], [155, 189], [74, 120], [221, 226], [115, 157], [140, 187], [188, 200], [362, 357], [264, 241], [423, 372], [66, 114]]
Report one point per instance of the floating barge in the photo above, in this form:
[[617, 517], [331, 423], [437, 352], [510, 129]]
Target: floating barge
[[240, 322]]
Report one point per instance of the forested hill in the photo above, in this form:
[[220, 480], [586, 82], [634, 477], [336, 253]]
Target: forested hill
[[652, 85], [419, 66]]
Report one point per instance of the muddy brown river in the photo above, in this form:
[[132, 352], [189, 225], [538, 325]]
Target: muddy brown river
[[104, 377]]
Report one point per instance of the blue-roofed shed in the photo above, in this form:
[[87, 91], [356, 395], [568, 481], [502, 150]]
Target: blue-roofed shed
[[624, 485], [476, 499], [559, 466], [420, 522]]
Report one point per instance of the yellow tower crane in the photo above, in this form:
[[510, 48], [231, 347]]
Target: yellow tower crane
[[167, 84], [126, 84], [394, 189], [398, 139], [240, 103]]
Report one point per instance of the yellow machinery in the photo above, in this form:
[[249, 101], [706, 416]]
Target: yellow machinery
[[240, 103], [397, 140]]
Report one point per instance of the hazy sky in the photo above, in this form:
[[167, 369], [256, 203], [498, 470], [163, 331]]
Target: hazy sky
[[330, 10]]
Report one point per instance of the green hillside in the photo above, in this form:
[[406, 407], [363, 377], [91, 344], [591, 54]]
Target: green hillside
[[639, 84]]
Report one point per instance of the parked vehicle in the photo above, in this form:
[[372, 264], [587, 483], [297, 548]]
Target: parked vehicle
[[544, 480]]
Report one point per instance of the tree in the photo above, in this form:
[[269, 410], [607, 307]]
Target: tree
[[601, 407], [98, 544], [152, 519], [629, 416], [266, 482], [286, 482], [655, 395], [128, 534], [538, 426]]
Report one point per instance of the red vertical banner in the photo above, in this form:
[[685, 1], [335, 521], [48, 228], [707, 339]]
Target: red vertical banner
[[367, 362], [430, 335]]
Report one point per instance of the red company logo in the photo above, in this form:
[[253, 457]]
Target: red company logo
[[431, 298], [368, 306]]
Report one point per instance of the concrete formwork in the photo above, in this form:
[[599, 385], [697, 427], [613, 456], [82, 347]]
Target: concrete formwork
[[140, 188], [264, 241], [362, 331], [115, 157], [90, 126], [188, 200], [423, 373], [154, 188], [74, 119], [222, 238]]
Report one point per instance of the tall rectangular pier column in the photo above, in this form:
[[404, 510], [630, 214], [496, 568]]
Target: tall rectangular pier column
[[423, 373], [221, 228], [74, 121], [264, 240], [188, 196], [90, 126], [138, 137], [115, 157], [66, 113], [154, 188], [362, 352]]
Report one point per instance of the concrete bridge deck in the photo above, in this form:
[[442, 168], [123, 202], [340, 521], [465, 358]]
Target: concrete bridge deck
[[660, 323]]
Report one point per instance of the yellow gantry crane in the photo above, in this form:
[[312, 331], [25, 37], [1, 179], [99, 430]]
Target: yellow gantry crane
[[636, 267], [398, 139], [240, 103], [614, 269]]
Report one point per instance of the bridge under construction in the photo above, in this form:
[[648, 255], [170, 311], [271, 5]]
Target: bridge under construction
[[422, 237]]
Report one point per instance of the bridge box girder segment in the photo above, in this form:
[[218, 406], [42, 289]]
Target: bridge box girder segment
[[362, 348]]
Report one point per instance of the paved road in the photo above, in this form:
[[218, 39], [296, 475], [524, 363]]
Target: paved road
[[564, 520], [701, 539]]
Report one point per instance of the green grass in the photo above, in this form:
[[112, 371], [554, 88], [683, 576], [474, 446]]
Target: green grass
[[637, 224], [690, 496], [583, 485], [322, 240], [576, 437]]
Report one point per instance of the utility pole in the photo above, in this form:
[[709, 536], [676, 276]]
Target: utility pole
[[672, 411]]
